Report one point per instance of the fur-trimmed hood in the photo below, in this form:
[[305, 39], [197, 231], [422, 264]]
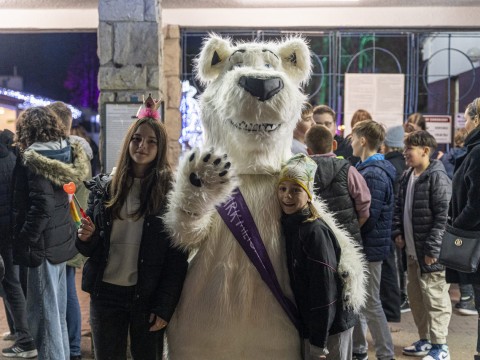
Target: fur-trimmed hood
[[59, 173]]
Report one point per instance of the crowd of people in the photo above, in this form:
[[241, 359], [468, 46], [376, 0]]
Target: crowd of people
[[391, 189], [394, 191]]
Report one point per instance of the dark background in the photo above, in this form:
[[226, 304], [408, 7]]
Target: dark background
[[60, 66]]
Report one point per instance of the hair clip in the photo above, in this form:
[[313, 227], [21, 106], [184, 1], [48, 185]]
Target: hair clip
[[149, 108]]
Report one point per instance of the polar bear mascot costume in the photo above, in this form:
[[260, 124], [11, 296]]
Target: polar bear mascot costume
[[250, 106]]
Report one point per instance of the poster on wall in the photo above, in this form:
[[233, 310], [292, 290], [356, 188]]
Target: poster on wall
[[459, 120], [440, 126], [116, 120], [382, 95]]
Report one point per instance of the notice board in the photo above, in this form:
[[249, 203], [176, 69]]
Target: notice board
[[440, 126], [382, 95], [116, 119]]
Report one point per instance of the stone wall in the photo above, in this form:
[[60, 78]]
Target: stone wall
[[129, 49], [135, 60]]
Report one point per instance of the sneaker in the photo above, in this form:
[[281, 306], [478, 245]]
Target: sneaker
[[418, 348], [359, 356], [8, 336], [26, 351], [438, 352], [405, 307], [466, 307]]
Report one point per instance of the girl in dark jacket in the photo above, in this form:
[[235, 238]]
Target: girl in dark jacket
[[313, 254], [465, 203], [44, 233], [133, 274]]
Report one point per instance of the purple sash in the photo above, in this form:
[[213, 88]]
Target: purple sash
[[237, 217]]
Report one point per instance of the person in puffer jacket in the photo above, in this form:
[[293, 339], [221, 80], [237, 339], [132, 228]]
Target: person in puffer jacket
[[379, 174], [44, 232], [419, 223]]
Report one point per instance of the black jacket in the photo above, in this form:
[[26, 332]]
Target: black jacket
[[43, 227], [313, 254], [7, 163], [161, 268], [465, 204], [432, 193], [331, 184]]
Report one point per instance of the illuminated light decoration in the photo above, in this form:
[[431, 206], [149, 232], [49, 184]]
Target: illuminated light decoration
[[192, 130], [30, 100]]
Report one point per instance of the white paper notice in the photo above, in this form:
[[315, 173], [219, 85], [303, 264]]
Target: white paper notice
[[382, 95], [118, 118]]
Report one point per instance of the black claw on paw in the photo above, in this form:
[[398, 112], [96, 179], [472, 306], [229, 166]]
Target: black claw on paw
[[227, 165], [223, 173], [225, 156], [191, 157], [195, 180], [207, 157], [217, 161]]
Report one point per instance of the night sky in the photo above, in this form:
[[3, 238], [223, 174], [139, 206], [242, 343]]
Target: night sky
[[43, 60]]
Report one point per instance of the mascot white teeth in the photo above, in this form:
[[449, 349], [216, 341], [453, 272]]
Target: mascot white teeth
[[250, 107]]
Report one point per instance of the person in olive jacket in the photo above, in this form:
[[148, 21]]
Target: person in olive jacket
[[133, 274], [465, 204]]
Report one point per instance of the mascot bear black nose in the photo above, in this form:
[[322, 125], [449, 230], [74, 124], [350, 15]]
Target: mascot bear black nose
[[263, 89]]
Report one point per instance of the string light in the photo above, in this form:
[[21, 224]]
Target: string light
[[30, 100]]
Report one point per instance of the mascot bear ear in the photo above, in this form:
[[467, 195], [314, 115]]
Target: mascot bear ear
[[296, 59], [212, 58]]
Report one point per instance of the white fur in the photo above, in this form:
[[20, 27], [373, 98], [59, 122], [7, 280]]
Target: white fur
[[226, 311]]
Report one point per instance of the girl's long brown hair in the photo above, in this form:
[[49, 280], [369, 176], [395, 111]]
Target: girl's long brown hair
[[157, 180]]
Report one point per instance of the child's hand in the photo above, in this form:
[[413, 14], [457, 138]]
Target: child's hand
[[430, 260], [86, 229], [400, 241]]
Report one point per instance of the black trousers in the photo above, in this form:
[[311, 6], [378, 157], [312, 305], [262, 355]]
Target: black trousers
[[389, 289], [114, 315]]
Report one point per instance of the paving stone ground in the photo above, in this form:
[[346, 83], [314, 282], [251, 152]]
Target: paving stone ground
[[461, 338]]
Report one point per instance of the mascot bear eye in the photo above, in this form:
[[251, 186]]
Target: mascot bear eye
[[268, 66]]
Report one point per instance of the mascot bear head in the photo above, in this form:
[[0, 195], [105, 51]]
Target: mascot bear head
[[252, 99]]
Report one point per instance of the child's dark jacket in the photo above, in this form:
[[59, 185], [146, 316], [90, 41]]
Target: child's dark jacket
[[376, 232], [43, 227], [432, 193], [161, 268], [313, 254]]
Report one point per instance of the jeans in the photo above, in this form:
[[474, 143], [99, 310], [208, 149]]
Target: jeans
[[114, 313], [47, 308], [15, 298], [373, 315], [8, 311], [74, 316]]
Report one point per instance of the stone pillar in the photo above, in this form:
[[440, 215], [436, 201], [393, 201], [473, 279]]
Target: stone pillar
[[129, 50], [173, 89]]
